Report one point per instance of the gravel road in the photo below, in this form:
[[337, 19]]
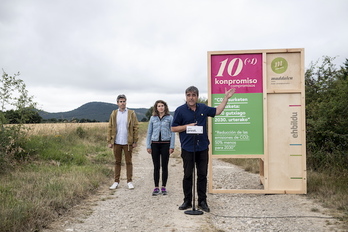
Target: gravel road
[[137, 210]]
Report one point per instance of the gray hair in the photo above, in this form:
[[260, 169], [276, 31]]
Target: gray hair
[[192, 89], [121, 96]]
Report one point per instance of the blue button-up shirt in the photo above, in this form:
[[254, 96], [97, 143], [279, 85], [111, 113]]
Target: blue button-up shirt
[[184, 115]]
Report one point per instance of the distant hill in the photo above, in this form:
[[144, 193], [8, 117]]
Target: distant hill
[[99, 111]]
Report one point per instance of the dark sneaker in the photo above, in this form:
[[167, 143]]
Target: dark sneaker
[[164, 191], [185, 205], [155, 192], [204, 206]]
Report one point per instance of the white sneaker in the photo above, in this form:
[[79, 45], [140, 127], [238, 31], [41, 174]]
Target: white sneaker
[[113, 186], [130, 185]]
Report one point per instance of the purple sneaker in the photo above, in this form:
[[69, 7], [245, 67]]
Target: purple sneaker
[[155, 192], [164, 191]]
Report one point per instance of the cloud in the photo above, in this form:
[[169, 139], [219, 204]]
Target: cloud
[[73, 52]]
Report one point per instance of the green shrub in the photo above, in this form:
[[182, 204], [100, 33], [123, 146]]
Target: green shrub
[[326, 116]]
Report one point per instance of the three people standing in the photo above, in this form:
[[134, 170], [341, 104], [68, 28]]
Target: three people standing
[[160, 143], [122, 138]]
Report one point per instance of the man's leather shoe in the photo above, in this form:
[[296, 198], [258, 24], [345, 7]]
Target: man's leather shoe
[[204, 206], [185, 205]]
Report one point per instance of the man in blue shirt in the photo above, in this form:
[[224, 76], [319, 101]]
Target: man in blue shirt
[[195, 114]]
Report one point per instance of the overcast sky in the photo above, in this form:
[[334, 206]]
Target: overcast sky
[[71, 52]]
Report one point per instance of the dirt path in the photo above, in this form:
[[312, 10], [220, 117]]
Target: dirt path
[[137, 210]]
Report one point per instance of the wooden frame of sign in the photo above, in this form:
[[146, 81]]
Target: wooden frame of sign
[[264, 120]]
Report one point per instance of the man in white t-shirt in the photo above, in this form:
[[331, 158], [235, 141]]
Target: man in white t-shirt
[[123, 137]]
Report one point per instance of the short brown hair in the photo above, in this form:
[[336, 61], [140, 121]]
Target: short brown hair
[[121, 96]]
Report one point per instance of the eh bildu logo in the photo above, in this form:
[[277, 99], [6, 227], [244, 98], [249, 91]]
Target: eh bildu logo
[[294, 125]]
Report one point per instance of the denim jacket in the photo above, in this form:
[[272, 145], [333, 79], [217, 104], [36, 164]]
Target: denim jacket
[[157, 126]]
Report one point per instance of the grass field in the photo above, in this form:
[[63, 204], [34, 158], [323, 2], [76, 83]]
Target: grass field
[[66, 162]]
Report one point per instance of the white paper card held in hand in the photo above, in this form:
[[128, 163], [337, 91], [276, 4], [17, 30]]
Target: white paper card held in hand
[[194, 130]]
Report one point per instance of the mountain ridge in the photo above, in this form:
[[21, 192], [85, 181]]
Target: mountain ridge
[[99, 111]]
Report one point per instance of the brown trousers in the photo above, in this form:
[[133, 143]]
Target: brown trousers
[[127, 150]]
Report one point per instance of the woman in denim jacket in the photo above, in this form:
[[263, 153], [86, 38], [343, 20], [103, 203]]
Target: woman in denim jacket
[[160, 143]]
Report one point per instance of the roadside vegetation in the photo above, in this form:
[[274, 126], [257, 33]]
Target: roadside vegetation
[[60, 165], [326, 135], [54, 172], [45, 169]]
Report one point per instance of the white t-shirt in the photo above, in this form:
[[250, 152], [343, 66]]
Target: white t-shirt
[[122, 132]]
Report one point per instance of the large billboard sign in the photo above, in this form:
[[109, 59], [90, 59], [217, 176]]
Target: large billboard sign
[[264, 119]]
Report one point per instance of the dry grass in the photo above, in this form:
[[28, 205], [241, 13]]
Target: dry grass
[[39, 190], [60, 128], [249, 165]]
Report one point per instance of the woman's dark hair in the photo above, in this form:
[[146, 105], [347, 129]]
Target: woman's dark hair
[[155, 111]]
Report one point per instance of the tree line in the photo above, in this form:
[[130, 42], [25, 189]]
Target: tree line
[[29, 115]]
